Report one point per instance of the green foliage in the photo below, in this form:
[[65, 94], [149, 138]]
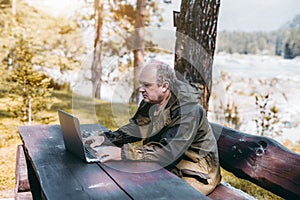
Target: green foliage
[[57, 42], [283, 42], [28, 89], [31, 39], [63, 99], [118, 23], [292, 44], [4, 3], [124, 13], [246, 43]]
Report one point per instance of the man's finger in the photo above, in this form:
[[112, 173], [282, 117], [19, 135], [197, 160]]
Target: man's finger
[[88, 140], [101, 154], [95, 144], [97, 141], [104, 158]]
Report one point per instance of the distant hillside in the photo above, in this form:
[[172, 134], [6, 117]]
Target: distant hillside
[[293, 24], [291, 43], [283, 42]]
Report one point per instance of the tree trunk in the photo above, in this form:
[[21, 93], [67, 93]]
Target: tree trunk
[[14, 7], [195, 44], [29, 110], [97, 59], [138, 45]]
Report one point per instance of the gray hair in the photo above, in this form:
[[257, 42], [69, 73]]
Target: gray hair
[[164, 73]]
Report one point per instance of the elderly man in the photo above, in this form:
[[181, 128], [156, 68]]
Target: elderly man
[[173, 128]]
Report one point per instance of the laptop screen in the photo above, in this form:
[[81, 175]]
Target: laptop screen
[[70, 128]]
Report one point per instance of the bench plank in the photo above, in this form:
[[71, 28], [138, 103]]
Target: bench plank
[[22, 187], [260, 160], [146, 180], [23, 196], [224, 193], [53, 164], [22, 182]]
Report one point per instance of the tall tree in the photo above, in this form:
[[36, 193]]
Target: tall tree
[[97, 59], [121, 19], [195, 44], [28, 89], [138, 51]]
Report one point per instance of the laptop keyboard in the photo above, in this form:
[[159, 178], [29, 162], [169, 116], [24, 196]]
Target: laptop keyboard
[[86, 133], [91, 153]]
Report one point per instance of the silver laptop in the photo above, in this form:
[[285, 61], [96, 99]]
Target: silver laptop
[[70, 128]]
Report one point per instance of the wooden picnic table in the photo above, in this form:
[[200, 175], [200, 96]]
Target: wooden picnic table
[[55, 173]]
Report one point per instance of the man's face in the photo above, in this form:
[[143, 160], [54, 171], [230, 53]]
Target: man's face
[[151, 91]]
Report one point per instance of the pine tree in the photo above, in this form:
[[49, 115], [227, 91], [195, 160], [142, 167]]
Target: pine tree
[[28, 89]]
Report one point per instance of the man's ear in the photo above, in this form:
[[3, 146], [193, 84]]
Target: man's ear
[[165, 86]]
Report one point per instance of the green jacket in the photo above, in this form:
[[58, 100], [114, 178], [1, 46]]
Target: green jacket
[[179, 137]]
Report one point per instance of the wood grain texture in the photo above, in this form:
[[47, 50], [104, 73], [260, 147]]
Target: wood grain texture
[[224, 193], [23, 196], [157, 183], [22, 187], [260, 160], [62, 175]]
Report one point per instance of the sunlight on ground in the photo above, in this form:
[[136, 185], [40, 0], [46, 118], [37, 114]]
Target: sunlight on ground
[[57, 7], [10, 140]]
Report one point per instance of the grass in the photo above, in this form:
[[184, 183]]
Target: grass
[[248, 187], [9, 136], [9, 140], [110, 115]]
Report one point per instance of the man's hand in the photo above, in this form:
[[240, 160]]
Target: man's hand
[[104, 153], [107, 153], [94, 141]]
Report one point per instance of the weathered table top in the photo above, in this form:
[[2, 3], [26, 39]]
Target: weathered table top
[[62, 175]]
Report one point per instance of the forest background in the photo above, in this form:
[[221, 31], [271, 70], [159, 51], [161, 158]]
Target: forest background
[[50, 50]]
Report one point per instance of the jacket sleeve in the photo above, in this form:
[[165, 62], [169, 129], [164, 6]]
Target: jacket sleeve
[[130, 132], [118, 138], [174, 141]]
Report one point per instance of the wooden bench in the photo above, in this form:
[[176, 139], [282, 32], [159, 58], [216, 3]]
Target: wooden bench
[[22, 187], [260, 160]]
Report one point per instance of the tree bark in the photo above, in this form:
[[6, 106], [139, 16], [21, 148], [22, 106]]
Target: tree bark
[[195, 44], [138, 50], [97, 59]]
